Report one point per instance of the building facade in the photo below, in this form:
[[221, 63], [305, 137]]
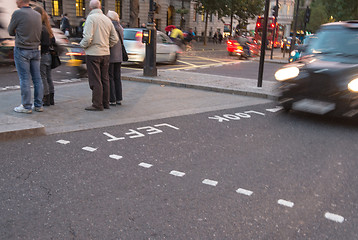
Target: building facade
[[165, 14]]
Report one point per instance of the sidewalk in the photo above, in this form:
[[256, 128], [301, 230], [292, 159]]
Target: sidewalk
[[143, 102]]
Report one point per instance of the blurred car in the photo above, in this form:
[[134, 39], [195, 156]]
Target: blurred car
[[7, 50], [234, 48], [325, 79], [167, 50]]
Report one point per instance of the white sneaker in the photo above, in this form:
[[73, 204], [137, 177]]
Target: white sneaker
[[21, 109]]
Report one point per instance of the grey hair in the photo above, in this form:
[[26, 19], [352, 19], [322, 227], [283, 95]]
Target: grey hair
[[94, 4]]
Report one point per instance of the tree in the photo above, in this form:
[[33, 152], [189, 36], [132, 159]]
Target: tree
[[134, 11], [241, 10], [207, 7]]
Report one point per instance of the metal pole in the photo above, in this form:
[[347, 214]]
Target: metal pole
[[274, 30], [263, 45], [293, 42], [150, 61]]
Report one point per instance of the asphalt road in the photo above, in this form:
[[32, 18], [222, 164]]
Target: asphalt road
[[210, 62], [252, 172]]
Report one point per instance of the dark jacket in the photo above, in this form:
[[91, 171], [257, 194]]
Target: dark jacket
[[46, 41], [116, 50]]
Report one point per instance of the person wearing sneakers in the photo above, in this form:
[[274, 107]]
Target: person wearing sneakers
[[115, 61], [26, 26], [98, 36]]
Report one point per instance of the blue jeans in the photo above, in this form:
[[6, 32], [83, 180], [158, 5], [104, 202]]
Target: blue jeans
[[27, 63]]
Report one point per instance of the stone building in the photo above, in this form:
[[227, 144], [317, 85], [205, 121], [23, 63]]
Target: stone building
[[166, 13]]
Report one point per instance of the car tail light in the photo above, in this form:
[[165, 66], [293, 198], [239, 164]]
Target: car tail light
[[74, 54], [139, 36]]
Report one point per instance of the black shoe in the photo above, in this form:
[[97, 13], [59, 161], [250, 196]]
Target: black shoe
[[46, 100], [52, 99], [91, 108], [106, 107], [112, 103], [118, 103]]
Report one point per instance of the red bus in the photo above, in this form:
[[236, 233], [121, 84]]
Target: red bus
[[276, 41]]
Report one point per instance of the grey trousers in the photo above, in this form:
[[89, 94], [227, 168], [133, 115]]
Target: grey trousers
[[45, 70]]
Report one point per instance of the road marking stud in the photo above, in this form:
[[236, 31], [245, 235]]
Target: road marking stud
[[177, 173], [114, 156], [145, 165], [334, 217], [63, 141], [285, 203], [244, 191], [90, 149], [210, 182]]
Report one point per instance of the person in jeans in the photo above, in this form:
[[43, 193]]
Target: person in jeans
[[98, 36], [26, 26], [115, 61], [47, 40]]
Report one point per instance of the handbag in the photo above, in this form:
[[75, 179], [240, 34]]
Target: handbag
[[55, 59], [124, 52]]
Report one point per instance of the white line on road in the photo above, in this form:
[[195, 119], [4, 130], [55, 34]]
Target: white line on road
[[145, 165], [244, 191], [114, 156], [285, 203], [177, 173], [334, 217], [63, 141], [210, 182], [90, 149]]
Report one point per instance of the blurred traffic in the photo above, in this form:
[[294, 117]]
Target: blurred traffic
[[324, 80]]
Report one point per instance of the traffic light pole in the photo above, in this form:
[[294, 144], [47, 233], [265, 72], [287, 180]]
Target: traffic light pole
[[263, 45], [274, 30], [293, 42], [150, 61]]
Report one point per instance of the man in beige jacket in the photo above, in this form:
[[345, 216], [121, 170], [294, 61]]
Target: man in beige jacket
[[98, 36]]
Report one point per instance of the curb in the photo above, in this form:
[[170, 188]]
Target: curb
[[15, 128], [270, 96]]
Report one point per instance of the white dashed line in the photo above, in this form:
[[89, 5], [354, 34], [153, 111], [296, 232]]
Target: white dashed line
[[276, 109], [63, 141], [90, 149], [285, 203], [334, 217], [114, 156], [177, 174], [145, 165], [244, 191], [210, 182]]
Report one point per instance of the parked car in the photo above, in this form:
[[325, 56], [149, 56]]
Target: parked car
[[325, 79], [167, 50]]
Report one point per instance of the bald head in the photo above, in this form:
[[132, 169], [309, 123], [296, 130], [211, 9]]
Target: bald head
[[94, 4], [22, 3]]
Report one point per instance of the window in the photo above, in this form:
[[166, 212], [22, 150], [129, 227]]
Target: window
[[119, 8], [80, 8], [56, 7]]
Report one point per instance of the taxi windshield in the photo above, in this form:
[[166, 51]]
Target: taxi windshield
[[337, 42]]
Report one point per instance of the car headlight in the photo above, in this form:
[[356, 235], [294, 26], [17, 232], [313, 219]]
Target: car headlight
[[293, 53], [287, 73], [353, 85]]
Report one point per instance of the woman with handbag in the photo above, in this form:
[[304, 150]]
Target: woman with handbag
[[115, 61], [47, 41]]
